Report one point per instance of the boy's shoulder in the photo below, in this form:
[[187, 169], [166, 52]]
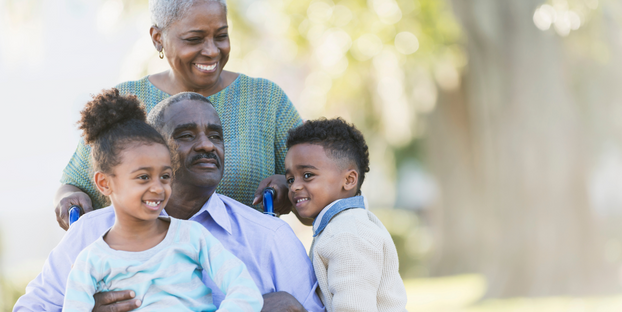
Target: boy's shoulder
[[358, 223]]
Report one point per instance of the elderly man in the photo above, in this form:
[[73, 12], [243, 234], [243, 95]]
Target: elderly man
[[273, 255]]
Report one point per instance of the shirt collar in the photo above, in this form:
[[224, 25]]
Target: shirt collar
[[322, 219], [216, 208], [318, 219]]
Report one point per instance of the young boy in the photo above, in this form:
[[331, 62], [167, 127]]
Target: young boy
[[353, 255]]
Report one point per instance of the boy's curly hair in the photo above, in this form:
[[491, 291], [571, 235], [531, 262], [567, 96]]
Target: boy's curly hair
[[339, 139], [109, 122]]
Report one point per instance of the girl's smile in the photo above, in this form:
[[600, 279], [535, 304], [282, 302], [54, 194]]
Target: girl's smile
[[140, 185]]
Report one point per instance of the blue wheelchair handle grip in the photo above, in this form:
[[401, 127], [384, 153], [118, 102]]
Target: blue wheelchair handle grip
[[268, 201], [74, 214]]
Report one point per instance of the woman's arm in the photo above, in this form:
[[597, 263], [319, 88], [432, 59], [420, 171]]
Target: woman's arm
[[78, 187], [286, 118]]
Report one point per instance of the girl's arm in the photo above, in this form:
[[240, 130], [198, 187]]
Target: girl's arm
[[229, 273], [81, 286]]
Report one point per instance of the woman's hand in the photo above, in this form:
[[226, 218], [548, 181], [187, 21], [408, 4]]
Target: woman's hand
[[67, 196], [282, 204]]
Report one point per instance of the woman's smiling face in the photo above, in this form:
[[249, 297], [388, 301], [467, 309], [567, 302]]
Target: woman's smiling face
[[197, 46]]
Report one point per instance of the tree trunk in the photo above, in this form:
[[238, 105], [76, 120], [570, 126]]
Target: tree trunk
[[510, 154]]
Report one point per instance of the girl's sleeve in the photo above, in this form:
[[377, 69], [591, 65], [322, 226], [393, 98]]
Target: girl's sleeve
[[354, 271], [81, 286], [287, 117], [78, 173], [229, 273]]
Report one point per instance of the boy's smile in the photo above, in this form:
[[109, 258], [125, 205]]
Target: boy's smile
[[315, 179]]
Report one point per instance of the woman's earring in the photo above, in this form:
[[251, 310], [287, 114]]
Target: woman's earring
[[161, 54]]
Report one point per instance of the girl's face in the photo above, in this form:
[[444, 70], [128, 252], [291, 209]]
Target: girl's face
[[140, 186]]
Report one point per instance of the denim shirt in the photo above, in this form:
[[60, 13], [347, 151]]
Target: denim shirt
[[322, 219]]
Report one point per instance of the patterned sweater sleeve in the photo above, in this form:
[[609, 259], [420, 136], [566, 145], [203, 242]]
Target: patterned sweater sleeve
[[354, 272], [81, 285], [228, 272], [78, 173], [287, 117]]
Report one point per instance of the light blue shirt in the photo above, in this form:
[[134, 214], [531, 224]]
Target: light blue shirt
[[274, 257], [166, 277]]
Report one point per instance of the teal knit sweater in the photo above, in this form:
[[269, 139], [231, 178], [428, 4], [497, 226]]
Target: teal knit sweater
[[255, 114]]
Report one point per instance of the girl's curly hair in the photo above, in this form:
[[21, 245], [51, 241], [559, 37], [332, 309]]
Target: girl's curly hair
[[110, 122]]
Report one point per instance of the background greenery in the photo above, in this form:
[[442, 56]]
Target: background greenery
[[493, 126]]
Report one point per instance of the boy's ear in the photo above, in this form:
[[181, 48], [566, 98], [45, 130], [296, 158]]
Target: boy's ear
[[351, 180], [102, 181]]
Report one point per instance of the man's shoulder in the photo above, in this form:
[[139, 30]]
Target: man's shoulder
[[252, 217], [102, 218], [97, 214]]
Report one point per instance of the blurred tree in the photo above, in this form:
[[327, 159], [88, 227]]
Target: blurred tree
[[373, 63], [508, 139], [511, 151]]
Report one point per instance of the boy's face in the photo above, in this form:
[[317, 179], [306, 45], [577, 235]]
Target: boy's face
[[316, 180]]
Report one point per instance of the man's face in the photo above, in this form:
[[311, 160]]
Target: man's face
[[195, 129]]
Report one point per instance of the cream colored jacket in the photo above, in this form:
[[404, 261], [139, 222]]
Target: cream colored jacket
[[356, 264]]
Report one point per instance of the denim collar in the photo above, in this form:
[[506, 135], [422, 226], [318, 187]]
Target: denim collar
[[337, 207]]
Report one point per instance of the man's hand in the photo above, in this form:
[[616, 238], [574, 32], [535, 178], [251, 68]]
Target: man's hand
[[280, 302], [115, 301], [67, 196]]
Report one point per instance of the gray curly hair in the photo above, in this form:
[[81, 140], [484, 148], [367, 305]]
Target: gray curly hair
[[165, 12]]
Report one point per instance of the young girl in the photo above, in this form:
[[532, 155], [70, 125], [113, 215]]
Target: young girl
[[160, 259]]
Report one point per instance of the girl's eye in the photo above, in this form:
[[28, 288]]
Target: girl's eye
[[143, 177], [307, 175], [290, 181], [166, 176]]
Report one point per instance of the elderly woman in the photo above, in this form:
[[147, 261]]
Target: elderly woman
[[255, 113]]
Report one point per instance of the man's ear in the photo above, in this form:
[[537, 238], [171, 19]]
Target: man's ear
[[351, 180], [102, 181], [156, 37]]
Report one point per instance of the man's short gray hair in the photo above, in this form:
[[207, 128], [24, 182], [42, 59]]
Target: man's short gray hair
[[155, 118], [166, 12]]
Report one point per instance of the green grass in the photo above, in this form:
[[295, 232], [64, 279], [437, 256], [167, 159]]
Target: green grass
[[463, 293]]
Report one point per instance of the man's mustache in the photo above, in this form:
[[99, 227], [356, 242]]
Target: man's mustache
[[210, 155]]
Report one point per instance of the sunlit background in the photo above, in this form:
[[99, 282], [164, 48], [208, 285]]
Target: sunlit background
[[494, 126]]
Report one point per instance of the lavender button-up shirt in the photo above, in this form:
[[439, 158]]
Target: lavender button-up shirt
[[273, 255]]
